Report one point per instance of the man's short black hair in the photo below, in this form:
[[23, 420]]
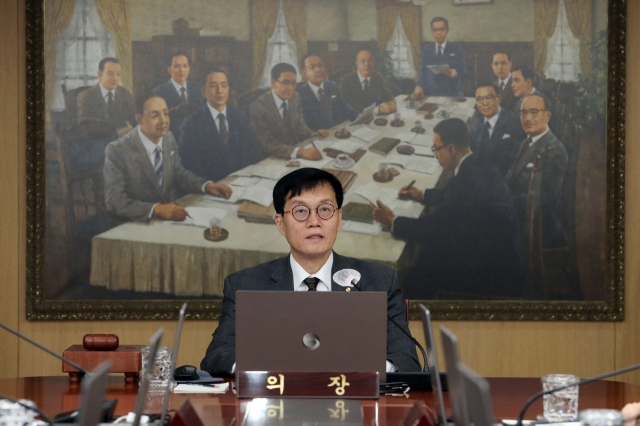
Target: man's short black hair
[[454, 132], [205, 76], [527, 72], [278, 69], [365, 49], [502, 52], [105, 60], [175, 55], [142, 99], [305, 179], [487, 83], [304, 58], [440, 19]]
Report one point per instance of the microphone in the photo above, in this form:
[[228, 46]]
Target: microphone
[[581, 382], [49, 351], [350, 278]]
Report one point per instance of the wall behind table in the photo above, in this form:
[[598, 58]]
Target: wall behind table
[[491, 348]]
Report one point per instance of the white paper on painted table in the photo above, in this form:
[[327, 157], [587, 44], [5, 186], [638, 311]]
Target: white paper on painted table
[[413, 163], [366, 134], [361, 228], [202, 217], [257, 194]]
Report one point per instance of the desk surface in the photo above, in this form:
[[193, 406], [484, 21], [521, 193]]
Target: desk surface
[[54, 395]]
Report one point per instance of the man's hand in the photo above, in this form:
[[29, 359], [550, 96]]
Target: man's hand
[[382, 213], [631, 412], [170, 212], [310, 154], [219, 190], [450, 72], [388, 108], [417, 94], [412, 193], [322, 132]]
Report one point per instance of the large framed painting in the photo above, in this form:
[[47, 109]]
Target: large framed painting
[[517, 216]]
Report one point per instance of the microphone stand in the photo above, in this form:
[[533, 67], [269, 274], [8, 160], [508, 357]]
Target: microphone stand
[[581, 382]]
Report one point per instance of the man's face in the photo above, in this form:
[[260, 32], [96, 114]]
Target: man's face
[[440, 31], [534, 118], [501, 65], [314, 70], [313, 238], [444, 153], [521, 87], [365, 63], [487, 101], [284, 86], [154, 122], [179, 69], [216, 90], [110, 75]]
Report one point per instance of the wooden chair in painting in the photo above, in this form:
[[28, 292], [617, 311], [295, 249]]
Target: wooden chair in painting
[[71, 104]]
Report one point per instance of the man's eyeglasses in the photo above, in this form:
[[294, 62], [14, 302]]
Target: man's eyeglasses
[[290, 83], [534, 112], [480, 99], [302, 213], [435, 149]]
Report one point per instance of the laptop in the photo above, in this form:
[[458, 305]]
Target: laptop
[[311, 331], [432, 363], [94, 387], [478, 398], [174, 357], [457, 395]]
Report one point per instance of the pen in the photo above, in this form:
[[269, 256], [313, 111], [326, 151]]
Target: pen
[[411, 184], [314, 145]]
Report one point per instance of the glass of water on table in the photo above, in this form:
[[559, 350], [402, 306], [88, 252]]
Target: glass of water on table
[[561, 405]]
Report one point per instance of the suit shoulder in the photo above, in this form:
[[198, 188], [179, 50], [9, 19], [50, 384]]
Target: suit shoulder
[[160, 88], [349, 77], [122, 91], [193, 84], [369, 268], [123, 143], [237, 114], [88, 93], [254, 274], [261, 102]]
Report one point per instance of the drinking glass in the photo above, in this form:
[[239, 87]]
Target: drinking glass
[[161, 368], [563, 404]]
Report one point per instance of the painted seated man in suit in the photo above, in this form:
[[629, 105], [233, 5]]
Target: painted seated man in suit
[[471, 239], [523, 78], [107, 100], [364, 86], [142, 170], [534, 117], [442, 52], [497, 135], [322, 103], [276, 118], [216, 140], [179, 89], [502, 65], [308, 205]]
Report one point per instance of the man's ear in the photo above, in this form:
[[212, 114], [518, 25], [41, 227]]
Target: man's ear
[[139, 118], [169, 69], [278, 218]]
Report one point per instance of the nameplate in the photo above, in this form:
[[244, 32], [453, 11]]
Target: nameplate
[[287, 384]]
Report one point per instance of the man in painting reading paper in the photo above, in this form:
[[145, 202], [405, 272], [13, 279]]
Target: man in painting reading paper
[[308, 214]]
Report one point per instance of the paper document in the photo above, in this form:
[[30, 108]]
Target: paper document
[[424, 151], [422, 140], [366, 134], [267, 183], [257, 194], [346, 145], [413, 163], [318, 164], [202, 217], [365, 115], [202, 388], [270, 171], [440, 100], [406, 136], [245, 181], [438, 69], [361, 228], [372, 193]]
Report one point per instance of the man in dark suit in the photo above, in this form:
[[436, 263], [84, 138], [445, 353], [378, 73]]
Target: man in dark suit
[[107, 100], [442, 52], [322, 103], [179, 89], [501, 65], [308, 214], [142, 170], [523, 78], [364, 86], [471, 238], [497, 135], [216, 140], [276, 118], [535, 117]]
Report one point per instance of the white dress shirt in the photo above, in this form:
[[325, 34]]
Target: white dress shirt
[[315, 89], [362, 79], [492, 121], [444, 46], [105, 92], [178, 87], [299, 275], [505, 81], [534, 139], [215, 113]]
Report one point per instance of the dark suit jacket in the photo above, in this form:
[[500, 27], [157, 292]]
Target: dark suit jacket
[[377, 93], [203, 153], [502, 147], [507, 99], [269, 128], [472, 242], [172, 98], [337, 109], [439, 84], [519, 101], [92, 107], [277, 275], [130, 184]]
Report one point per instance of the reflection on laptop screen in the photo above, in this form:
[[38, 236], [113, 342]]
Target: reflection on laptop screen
[[456, 386], [432, 363], [478, 398]]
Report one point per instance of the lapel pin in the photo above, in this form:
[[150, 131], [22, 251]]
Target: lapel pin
[[348, 288]]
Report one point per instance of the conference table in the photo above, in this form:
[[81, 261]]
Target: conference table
[[173, 259], [54, 394]]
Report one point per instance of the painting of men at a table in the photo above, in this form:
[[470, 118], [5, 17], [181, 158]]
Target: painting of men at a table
[[459, 133]]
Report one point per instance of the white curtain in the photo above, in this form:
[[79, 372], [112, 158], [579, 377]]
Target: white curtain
[[280, 48], [563, 51], [399, 48], [80, 49]]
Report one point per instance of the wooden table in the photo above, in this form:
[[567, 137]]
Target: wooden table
[[55, 395]]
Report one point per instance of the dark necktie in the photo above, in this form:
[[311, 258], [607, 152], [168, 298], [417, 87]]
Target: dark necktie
[[312, 283], [323, 101], [224, 133], [501, 87], [110, 105], [366, 84], [485, 137], [286, 117], [183, 95], [439, 51], [157, 165]]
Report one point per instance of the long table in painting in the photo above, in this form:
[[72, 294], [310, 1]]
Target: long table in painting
[[178, 260], [55, 395]]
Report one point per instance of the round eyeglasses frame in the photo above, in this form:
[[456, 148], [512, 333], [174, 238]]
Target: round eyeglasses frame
[[307, 212]]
